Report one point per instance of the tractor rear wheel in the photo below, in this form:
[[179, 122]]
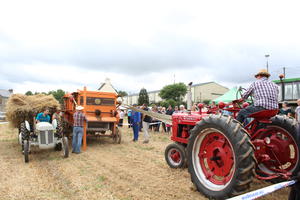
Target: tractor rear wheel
[[175, 155], [26, 151], [221, 157], [282, 147]]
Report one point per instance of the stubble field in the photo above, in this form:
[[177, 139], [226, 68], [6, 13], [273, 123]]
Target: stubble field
[[126, 171]]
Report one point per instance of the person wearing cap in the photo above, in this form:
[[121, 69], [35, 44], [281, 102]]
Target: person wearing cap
[[79, 118], [265, 94], [135, 120]]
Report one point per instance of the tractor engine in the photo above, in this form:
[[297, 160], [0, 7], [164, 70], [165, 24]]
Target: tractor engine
[[45, 132]]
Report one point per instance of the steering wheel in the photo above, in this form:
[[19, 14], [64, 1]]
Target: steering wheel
[[240, 91]]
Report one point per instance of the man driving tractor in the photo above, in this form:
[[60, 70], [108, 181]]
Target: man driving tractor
[[265, 94]]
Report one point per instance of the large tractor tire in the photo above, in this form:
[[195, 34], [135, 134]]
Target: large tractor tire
[[24, 134], [175, 155], [282, 147], [26, 151], [221, 158]]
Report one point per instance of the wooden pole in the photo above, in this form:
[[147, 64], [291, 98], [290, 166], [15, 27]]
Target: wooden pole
[[84, 123]]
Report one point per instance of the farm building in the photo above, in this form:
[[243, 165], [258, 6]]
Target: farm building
[[4, 95], [107, 87], [200, 92]]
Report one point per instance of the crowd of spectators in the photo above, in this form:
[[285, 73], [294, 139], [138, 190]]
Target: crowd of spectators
[[147, 123]]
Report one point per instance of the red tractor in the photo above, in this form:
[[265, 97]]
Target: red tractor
[[223, 156]]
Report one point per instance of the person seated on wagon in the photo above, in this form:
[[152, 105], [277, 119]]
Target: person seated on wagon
[[57, 114], [43, 116], [265, 94]]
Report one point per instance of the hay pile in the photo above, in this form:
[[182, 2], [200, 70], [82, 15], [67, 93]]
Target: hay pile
[[21, 107]]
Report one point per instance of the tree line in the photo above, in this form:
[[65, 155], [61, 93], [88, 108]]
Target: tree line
[[171, 94]]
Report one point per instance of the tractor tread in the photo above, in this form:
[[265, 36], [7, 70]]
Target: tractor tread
[[243, 150]]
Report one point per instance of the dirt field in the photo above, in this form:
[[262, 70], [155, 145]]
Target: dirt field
[[129, 171]]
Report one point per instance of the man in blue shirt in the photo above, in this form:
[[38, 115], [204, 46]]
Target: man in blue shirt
[[43, 116], [135, 120]]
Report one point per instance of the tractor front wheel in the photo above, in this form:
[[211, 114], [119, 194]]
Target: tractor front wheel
[[221, 157], [175, 155], [65, 146]]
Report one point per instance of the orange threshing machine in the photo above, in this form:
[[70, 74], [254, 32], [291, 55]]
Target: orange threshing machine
[[100, 109]]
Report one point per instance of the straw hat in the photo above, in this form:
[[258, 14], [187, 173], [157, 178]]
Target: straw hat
[[263, 72], [79, 108]]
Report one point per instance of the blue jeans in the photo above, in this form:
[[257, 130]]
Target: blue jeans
[[244, 113], [77, 138], [135, 127]]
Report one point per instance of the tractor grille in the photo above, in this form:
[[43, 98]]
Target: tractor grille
[[50, 137], [46, 137], [43, 137]]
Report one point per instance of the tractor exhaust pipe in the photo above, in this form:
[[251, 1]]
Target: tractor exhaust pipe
[[189, 96]]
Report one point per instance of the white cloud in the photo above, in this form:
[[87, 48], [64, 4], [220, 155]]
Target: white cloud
[[47, 45]]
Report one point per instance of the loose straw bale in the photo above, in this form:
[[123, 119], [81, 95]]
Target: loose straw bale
[[21, 107]]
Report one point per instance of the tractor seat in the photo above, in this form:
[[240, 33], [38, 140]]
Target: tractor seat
[[264, 115]]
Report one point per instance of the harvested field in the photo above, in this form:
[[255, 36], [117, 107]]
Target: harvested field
[[129, 171]]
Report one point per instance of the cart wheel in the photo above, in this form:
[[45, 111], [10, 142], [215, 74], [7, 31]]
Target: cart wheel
[[26, 151], [65, 146], [117, 137], [175, 155]]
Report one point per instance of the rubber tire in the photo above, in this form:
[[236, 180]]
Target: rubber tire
[[181, 149], [58, 147], [24, 134], [65, 147], [290, 125], [26, 151], [243, 151], [117, 137]]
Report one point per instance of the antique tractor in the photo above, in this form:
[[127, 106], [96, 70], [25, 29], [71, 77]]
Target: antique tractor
[[223, 156], [100, 109], [42, 135]]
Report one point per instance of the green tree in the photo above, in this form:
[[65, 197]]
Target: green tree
[[122, 93], [168, 102], [58, 95], [143, 97], [175, 91], [28, 93]]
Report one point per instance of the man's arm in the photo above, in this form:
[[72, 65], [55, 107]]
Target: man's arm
[[248, 91], [37, 118]]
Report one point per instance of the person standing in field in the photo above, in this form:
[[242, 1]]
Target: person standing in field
[[135, 120], [146, 121], [121, 115], [169, 112], [79, 118], [129, 112]]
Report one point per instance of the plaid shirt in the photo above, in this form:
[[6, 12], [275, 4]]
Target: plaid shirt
[[265, 94], [79, 117]]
